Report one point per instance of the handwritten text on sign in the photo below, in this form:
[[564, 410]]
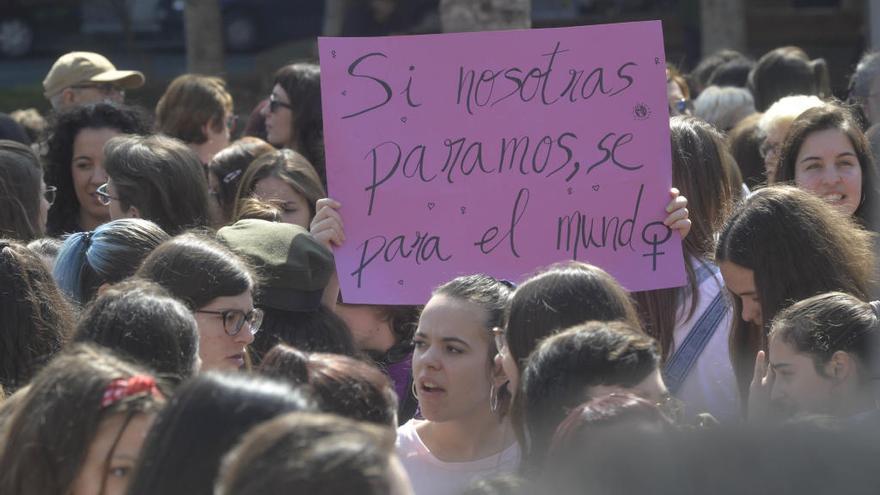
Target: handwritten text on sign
[[498, 153]]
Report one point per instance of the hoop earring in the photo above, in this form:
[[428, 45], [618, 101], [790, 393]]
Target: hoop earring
[[493, 399], [415, 391]]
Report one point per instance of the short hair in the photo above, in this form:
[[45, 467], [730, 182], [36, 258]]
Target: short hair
[[206, 417], [140, 320], [161, 177], [787, 71], [724, 107], [702, 73], [189, 103], [744, 141], [53, 426], [62, 132], [797, 246], [824, 324], [786, 109], [834, 117], [197, 270], [864, 75], [109, 254], [320, 330], [565, 365], [302, 83], [35, 318], [341, 384], [323, 455], [733, 73], [289, 166], [229, 164], [21, 178]]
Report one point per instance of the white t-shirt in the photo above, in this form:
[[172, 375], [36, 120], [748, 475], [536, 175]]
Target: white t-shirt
[[711, 384], [431, 476]]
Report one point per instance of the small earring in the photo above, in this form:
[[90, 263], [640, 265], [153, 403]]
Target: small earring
[[493, 399]]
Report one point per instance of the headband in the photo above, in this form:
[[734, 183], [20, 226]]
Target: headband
[[121, 388]]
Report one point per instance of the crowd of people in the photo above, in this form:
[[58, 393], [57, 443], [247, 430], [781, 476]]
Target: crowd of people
[[171, 322]]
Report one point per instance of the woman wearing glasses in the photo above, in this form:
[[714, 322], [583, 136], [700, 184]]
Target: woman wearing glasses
[[293, 115], [75, 162], [218, 287], [198, 111], [157, 178], [24, 197]]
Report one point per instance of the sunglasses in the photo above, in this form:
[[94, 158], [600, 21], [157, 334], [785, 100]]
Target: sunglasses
[[234, 320], [50, 193], [274, 104], [103, 196]]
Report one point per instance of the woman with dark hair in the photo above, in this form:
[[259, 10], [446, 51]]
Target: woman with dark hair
[[207, 416], [582, 362], [293, 116], [325, 455], [285, 177], [88, 261], [744, 142], [35, 318], [157, 178], [464, 434], [294, 270], [225, 171], [341, 384], [822, 355], [781, 245], [198, 111], [692, 323], [826, 152], [218, 287], [385, 334], [787, 71], [75, 162], [140, 320], [80, 427], [24, 197]]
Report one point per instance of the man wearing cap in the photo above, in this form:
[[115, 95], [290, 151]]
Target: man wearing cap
[[77, 78]]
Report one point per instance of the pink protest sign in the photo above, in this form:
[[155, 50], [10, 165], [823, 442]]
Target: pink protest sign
[[498, 153]]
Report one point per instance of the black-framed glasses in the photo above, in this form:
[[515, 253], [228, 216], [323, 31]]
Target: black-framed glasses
[[500, 340], [50, 193], [274, 104], [103, 196], [103, 88], [234, 320]]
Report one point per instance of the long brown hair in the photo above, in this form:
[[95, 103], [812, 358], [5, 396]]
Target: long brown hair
[[20, 176], [833, 117], [52, 427], [704, 171], [797, 247], [287, 165]]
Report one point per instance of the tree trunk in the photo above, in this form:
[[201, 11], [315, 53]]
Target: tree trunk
[[484, 15], [334, 15], [204, 37], [723, 25]]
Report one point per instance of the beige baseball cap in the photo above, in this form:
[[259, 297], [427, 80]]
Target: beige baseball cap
[[79, 67]]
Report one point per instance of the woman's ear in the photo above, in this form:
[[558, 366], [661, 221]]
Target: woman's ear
[[133, 212], [841, 367], [499, 377]]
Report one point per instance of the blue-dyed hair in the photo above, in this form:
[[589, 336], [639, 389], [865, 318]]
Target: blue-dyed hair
[[109, 254]]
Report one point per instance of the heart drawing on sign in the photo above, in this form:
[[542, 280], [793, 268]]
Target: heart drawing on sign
[[570, 191], [344, 93], [403, 119], [400, 282], [596, 187], [431, 206]]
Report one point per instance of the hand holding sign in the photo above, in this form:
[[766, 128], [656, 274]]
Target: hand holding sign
[[556, 149]]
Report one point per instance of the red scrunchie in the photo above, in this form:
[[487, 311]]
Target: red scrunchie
[[121, 388]]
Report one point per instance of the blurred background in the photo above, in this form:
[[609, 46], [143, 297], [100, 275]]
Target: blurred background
[[244, 41]]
